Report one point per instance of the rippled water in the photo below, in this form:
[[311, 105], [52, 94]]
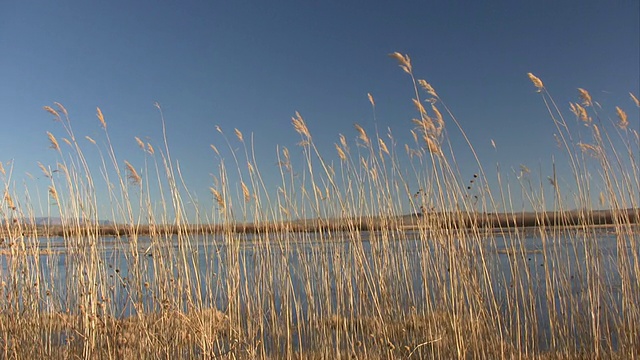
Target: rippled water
[[315, 271]]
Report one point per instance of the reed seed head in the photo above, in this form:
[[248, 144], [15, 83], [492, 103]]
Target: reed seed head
[[383, 146], [343, 142], [44, 170], [536, 82], [9, 200], [432, 145], [51, 111], [101, 118], [622, 116], [362, 134], [341, 153], [589, 149], [140, 143], [215, 149], [580, 112], [585, 97], [133, 175], [239, 135], [373, 103], [427, 87], [61, 108], [54, 194], [419, 106], [218, 197], [245, 192], [300, 126], [403, 61], [317, 191], [635, 99], [54, 143]]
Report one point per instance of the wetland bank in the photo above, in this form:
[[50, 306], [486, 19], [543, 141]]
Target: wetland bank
[[353, 280]]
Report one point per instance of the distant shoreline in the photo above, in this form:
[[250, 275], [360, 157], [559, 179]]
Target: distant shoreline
[[412, 222]]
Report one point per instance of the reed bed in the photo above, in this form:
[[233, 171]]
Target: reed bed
[[331, 264]]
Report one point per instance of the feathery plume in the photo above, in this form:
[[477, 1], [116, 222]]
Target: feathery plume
[[239, 135], [580, 112], [596, 133], [63, 168], [51, 111], [53, 141], [133, 174], [218, 197], [61, 108], [419, 106], [403, 60], [624, 122], [427, 87], [343, 142], [362, 134], [90, 139], [585, 97], [341, 154], [139, 142], [635, 99], [414, 134], [432, 145], [373, 103], [2, 169], [215, 149], [245, 191], [9, 200], [101, 118], [53, 193], [590, 149], [44, 170], [439, 119], [150, 149], [536, 82], [383, 146], [300, 126]]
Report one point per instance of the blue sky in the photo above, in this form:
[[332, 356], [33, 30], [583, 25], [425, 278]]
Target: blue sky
[[251, 65]]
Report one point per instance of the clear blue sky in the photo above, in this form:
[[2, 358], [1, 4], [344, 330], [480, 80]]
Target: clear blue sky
[[251, 65]]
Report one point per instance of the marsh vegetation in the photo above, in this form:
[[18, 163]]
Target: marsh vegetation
[[329, 265]]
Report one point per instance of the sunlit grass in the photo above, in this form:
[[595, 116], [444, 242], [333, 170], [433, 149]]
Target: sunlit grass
[[367, 256]]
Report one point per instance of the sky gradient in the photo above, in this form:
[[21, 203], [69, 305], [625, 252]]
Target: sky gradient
[[252, 65]]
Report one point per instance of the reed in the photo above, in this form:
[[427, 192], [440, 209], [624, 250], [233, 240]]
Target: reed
[[376, 250]]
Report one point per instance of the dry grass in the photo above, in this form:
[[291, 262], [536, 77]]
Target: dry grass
[[330, 266]]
